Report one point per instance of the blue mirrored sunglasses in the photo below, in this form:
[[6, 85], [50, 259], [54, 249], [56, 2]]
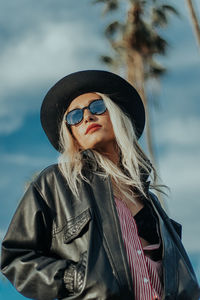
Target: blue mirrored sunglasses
[[75, 116]]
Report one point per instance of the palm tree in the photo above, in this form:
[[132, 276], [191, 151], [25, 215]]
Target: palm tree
[[194, 20], [136, 41]]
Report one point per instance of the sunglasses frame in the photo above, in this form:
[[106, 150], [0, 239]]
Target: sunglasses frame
[[82, 110]]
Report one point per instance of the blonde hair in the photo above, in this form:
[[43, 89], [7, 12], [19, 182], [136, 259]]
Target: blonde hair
[[128, 178]]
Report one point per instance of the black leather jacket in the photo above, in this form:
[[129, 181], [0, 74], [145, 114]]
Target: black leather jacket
[[59, 246]]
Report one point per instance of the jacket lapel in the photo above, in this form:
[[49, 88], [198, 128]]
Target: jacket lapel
[[109, 227], [169, 254]]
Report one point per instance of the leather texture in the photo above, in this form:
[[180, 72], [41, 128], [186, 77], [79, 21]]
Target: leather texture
[[59, 246]]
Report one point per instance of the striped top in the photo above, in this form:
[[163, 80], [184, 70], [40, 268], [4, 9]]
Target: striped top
[[146, 273]]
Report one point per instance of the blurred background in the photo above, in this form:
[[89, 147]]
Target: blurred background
[[154, 44]]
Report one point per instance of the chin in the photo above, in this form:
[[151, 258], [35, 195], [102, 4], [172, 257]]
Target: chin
[[96, 143]]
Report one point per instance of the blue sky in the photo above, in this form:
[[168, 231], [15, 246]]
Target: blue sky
[[44, 41]]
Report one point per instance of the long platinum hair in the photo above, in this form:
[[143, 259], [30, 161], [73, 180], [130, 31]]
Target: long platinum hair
[[128, 177]]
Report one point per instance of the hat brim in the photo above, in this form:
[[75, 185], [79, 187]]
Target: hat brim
[[73, 85]]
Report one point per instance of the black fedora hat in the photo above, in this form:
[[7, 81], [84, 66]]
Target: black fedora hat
[[73, 85]]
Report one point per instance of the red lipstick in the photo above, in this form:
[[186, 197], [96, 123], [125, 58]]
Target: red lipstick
[[95, 125]]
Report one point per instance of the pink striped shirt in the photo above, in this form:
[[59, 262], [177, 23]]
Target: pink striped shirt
[[146, 273]]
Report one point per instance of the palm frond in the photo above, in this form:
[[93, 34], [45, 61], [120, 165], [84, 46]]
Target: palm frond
[[171, 9], [98, 1], [160, 45], [110, 6], [159, 17], [112, 29], [156, 69], [107, 60], [141, 2]]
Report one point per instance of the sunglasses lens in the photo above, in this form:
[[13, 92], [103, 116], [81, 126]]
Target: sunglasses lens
[[74, 117], [97, 107]]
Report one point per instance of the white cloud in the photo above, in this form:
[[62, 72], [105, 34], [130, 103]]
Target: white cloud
[[41, 56], [179, 165], [9, 122], [39, 59], [181, 169], [179, 132], [32, 60], [22, 159]]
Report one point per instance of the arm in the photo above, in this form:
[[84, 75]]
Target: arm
[[26, 261]]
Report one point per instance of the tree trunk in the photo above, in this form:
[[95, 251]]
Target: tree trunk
[[135, 75], [135, 63], [194, 20]]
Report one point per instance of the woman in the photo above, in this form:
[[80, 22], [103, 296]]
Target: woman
[[88, 227]]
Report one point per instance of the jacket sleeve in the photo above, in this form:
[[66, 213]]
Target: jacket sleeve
[[26, 261]]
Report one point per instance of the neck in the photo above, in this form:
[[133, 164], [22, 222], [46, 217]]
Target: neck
[[111, 152]]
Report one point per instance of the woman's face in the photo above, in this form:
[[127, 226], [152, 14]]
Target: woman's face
[[101, 137]]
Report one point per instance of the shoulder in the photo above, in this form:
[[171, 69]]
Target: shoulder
[[49, 178], [154, 199], [49, 171], [161, 209], [172, 224]]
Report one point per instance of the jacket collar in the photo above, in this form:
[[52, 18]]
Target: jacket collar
[[91, 164], [89, 159]]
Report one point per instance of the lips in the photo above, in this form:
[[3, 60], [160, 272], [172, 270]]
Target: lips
[[92, 126]]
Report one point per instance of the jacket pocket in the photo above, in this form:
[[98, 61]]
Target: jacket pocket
[[75, 226]]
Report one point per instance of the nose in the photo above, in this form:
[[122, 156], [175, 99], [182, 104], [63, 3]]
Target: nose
[[88, 116]]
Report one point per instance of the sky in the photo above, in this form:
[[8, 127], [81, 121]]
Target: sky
[[43, 41]]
